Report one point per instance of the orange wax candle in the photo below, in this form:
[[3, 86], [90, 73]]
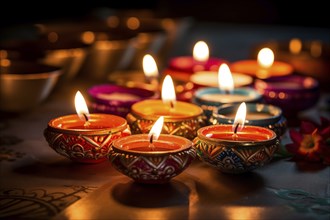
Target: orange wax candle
[[102, 123], [263, 67], [248, 134], [141, 143], [152, 109], [182, 119]]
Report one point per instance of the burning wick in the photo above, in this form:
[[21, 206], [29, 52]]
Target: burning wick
[[227, 92], [235, 136], [172, 104], [151, 145], [155, 132], [151, 138], [236, 127], [87, 123], [85, 116]]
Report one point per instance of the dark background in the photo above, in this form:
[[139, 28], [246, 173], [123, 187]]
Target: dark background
[[313, 13]]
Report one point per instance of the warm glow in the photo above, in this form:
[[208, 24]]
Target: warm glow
[[168, 91], [225, 78], [112, 21], [52, 37], [81, 106], [265, 57], [149, 66], [295, 45], [156, 129], [316, 48], [201, 51], [88, 37], [240, 117], [133, 23]]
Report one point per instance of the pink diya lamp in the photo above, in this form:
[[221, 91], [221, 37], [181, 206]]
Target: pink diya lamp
[[236, 148], [180, 118], [85, 137], [152, 158], [183, 66], [264, 67]]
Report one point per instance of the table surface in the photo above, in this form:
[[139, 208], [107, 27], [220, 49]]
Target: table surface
[[38, 183]]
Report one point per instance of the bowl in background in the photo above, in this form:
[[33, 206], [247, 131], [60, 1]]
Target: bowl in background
[[25, 84]]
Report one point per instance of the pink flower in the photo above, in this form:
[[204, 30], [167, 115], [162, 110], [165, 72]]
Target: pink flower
[[311, 142]]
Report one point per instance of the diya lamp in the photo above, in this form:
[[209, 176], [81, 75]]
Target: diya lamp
[[152, 158], [210, 79], [236, 148], [84, 137], [258, 114], [264, 67], [183, 66], [180, 118], [146, 79], [292, 93], [209, 98], [149, 79], [117, 99], [308, 57]]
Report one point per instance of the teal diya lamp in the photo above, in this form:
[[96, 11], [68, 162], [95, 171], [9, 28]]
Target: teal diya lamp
[[210, 98]]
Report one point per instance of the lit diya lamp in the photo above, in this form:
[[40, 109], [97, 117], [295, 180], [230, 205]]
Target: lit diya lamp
[[183, 66], [209, 98], [152, 158], [258, 114], [180, 118], [264, 67], [310, 58], [236, 148], [210, 79], [146, 79], [149, 79], [84, 137]]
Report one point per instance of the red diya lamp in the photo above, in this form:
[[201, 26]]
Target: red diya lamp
[[181, 118], [84, 137], [152, 158], [236, 148], [264, 67], [183, 66]]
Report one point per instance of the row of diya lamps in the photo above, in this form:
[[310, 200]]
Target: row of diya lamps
[[157, 139]]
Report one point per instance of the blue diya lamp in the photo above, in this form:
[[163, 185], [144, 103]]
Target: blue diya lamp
[[211, 98], [258, 114]]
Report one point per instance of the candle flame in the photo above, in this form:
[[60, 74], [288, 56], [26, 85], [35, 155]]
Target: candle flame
[[81, 106], [168, 91], [239, 118], [149, 66], [201, 51], [265, 57], [156, 129], [225, 78]]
